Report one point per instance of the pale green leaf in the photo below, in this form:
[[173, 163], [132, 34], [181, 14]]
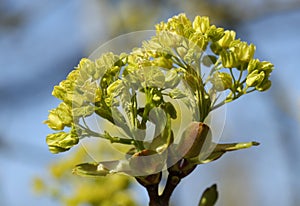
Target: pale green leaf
[[217, 150], [101, 168], [177, 93]]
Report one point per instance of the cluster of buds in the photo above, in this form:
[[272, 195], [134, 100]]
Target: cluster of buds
[[165, 69]]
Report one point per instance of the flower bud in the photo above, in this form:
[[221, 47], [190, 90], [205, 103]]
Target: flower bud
[[73, 75], [200, 40], [265, 85], [255, 78], [59, 92], [83, 111], [163, 63], [201, 24], [169, 39], [60, 117], [265, 66], [64, 112], [252, 65], [216, 48], [215, 34], [87, 66], [53, 121], [229, 59], [112, 87], [181, 51], [161, 26], [228, 37], [98, 95], [61, 141], [193, 140], [221, 81], [244, 51]]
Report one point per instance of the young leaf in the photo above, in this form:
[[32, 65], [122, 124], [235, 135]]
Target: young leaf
[[217, 150], [89, 169], [177, 94], [101, 168]]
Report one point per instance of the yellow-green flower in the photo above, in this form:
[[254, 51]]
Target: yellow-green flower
[[228, 37], [201, 24], [255, 78], [229, 59], [265, 66], [252, 65], [163, 62], [221, 81], [60, 117], [200, 40], [264, 85], [112, 87], [61, 141], [244, 52], [214, 33]]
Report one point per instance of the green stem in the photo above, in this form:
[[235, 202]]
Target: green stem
[[241, 74], [232, 75], [216, 66], [134, 111], [249, 91], [229, 100], [107, 136]]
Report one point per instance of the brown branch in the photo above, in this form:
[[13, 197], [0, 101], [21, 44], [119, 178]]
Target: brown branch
[[171, 184], [153, 195]]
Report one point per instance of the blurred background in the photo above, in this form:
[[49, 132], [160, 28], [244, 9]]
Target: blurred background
[[42, 40]]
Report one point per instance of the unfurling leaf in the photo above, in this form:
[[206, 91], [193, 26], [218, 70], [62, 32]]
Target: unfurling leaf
[[217, 150], [101, 168], [90, 169], [141, 163]]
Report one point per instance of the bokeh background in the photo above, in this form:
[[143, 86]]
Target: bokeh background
[[42, 40]]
